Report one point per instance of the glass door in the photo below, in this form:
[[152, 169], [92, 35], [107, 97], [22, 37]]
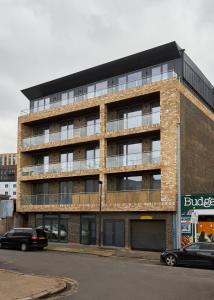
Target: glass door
[[65, 190], [88, 230], [66, 161]]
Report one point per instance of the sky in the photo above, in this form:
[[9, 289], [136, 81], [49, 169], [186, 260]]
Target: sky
[[41, 40]]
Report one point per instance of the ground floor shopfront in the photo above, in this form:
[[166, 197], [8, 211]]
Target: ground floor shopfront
[[136, 230]]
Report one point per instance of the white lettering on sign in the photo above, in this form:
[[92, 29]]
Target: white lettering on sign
[[199, 202]]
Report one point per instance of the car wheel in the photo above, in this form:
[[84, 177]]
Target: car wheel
[[24, 247], [1, 245], [170, 260]]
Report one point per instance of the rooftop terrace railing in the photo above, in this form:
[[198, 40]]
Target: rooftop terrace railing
[[101, 92]]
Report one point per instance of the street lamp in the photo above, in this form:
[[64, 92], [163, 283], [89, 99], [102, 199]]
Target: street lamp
[[100, 211]]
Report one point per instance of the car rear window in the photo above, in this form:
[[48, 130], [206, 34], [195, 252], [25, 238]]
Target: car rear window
[[23, 232], [40, 233]]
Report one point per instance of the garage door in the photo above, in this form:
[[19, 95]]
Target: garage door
[[148, 235]]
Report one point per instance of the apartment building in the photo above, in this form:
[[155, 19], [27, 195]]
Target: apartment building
[[123, 138], [8, 174]]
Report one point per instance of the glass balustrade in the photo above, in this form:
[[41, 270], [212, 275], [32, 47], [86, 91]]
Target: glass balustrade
[[74, 199], [133, 122], [101, 90], [77, 165], [61, 135], [133, 159]]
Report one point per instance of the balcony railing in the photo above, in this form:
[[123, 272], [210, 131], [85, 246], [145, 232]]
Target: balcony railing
[[133, 159], [73, 199], [119, 199], [77, 165], [101, 92], [133, 122], [61, 135]]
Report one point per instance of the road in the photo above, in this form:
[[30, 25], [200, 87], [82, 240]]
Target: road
[[115, 278]]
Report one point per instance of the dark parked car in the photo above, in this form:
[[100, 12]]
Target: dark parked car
[[24, 239], [196, 254]]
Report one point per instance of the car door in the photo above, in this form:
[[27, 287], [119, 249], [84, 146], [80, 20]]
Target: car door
[[8, 239], [189, 255], [206, 254]]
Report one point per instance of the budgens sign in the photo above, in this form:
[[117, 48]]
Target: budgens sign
[[200, 201]]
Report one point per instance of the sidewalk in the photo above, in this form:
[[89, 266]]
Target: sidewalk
[[104, 251], [15, 285]]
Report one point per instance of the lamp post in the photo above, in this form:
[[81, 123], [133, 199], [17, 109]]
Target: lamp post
[[100, 211]]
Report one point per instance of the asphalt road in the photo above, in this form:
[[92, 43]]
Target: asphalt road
[[115, 278]]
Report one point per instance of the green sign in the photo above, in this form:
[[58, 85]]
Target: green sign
[[200, 201]]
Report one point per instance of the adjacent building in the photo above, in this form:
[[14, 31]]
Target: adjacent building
[[8, 174], [126, 138]]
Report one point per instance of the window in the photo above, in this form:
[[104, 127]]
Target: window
[[66, 160], [130, 118], [92, 156], [65, 189], [156, 73], [193, 247], [131, 153], [134, 79], [155, 182], [101, 88], [91, 91], [155, 111], [155, 151], [6, 186], [122, 83], [129, 183], [93, 125], [14, 193], [6, 193], [91, 186], [67, 130]]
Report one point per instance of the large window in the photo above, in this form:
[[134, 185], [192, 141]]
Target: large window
[[155, 151], [66, 160], [155, 111], [134, 79], [101, 88], [131, 154], [92, 157], [67, 130], [130, 118], [91, 186], [129, 183], [156, 182], [93, 124], [65, 190]]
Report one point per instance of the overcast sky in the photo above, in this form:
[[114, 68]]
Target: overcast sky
[[44, 39]]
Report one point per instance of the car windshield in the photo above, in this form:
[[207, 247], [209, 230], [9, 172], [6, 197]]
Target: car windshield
[[192, 247]]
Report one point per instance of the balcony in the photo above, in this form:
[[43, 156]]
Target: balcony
[[87, 95], [133, 122], [142, 199], [84, 200], [78, 165], [133, 159], [61, 136]]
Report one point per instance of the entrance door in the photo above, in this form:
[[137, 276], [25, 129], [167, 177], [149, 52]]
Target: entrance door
[[88, 230], [56, 227], [148, 235], [114, 233]]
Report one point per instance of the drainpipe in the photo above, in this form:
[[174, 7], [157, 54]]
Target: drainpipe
[[178, 214]]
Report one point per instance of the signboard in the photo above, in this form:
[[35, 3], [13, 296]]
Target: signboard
[[201, 201], [190, 203], [146, 217]]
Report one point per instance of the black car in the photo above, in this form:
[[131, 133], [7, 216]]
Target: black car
[[24, 239], [196, 254]]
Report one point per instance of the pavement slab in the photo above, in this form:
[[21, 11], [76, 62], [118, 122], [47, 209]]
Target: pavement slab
[[14, 285]]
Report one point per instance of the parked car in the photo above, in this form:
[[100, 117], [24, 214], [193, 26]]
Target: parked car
[[24, 239], [195, 254]]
